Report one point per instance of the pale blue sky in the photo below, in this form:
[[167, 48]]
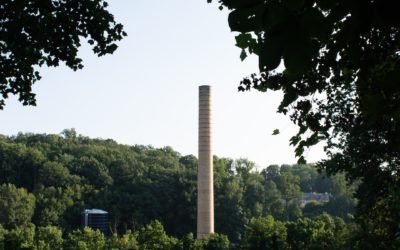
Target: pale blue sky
[[146, 92]]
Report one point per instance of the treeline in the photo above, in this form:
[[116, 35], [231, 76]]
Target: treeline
[[323, 232], [149, 237], [51, 179]]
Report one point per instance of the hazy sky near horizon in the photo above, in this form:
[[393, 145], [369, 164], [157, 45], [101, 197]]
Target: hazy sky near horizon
[[147, 91]]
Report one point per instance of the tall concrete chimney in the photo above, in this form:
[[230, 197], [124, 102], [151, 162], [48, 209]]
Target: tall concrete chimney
[[205, 188]]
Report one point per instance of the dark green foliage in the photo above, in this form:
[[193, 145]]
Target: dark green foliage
[[313, 209], [293, 212], [323, 232], [48, 238], [378, 224], [85, 239], [340, 79], [140, 184], [3, 233], [37, 33], [265, 233], [212, 242], [153, 237], [216, 242], [229, 209], [188, 242], [20, 164], [20, 238], [16, 206], [128, 241], [273, 204], [289, 186], [308, 175]]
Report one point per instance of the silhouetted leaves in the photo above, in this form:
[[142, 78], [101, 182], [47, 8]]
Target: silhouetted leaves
[[37, 33], [341, 86]]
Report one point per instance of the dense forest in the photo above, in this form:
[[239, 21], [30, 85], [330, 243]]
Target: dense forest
[[47, 180]]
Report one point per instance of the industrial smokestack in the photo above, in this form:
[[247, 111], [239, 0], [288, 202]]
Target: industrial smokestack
[[205, 189]]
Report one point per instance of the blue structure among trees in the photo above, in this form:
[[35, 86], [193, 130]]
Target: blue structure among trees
[[95, 219]]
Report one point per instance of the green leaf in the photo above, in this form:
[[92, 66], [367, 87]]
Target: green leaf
[[289, 97], [326, 4], [297, 56], [313, 21], [235, 4], [243, 55], [270, 53], [294, 140], [301, 160], [246, 19], [246, 41], [243, 40], [275, 16], [293, 5]]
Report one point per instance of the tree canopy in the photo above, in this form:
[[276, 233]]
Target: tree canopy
[[340, 60], [338, 66], [47, 33], [16, 205], [47, 180]]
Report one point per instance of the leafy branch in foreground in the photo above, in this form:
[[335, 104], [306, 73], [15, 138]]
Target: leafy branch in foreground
[[340, 76], [37, 33]]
